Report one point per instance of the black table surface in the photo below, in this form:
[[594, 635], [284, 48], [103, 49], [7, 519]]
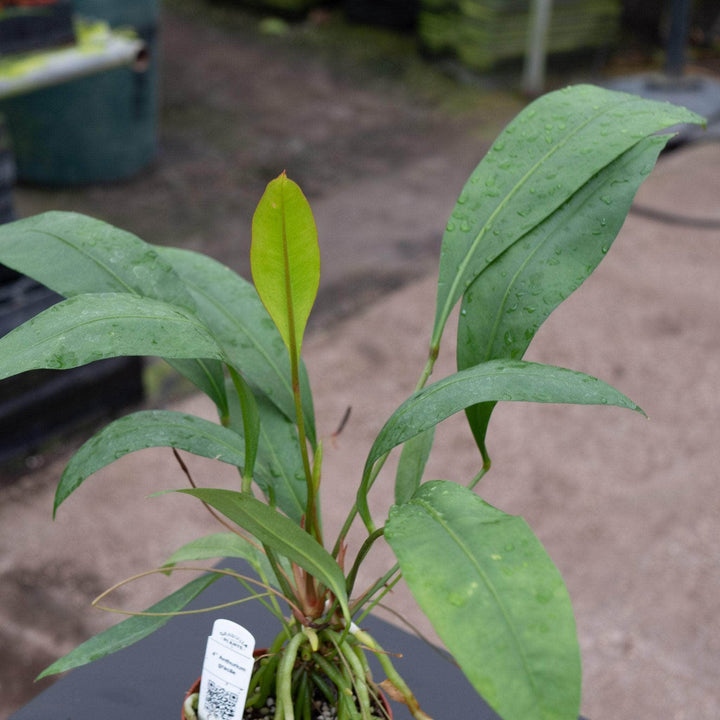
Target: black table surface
[[148, 680]]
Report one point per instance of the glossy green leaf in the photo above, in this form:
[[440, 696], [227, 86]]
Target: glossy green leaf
[[511, 380], [92, 327], [250, 423], [552, 148], [506, 304], [414, 457], [285, 258], [74, 254], [232, 310], [280, 534], [146, 429], [279, 470], [495, 598], [131, 630]]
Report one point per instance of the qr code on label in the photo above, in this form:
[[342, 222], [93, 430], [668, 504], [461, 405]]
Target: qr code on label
[[219, 702]]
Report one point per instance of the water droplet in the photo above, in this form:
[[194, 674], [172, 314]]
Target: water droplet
[[450, 227], [607, 200]]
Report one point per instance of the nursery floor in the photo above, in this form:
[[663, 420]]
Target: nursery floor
[[628, 508]]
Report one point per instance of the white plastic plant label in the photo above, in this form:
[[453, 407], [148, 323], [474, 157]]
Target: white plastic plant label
[[226, 672]]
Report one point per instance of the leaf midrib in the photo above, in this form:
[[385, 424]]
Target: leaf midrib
[[462, 266], [81, 250]]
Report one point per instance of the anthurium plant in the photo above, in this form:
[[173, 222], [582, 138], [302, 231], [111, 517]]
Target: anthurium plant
[[535, 218]]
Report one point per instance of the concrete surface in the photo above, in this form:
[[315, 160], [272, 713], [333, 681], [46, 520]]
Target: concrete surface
[[628, 508]]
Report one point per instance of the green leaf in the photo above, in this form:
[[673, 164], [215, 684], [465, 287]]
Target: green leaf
[[495, 598], [131, 630], [73, 254], [146, 429], [280, 534], [92, 327], [414, 457], [285, 258], [512, 380], [279, 470], [506, 304], [230, 307], [250, 422], [553, 147]]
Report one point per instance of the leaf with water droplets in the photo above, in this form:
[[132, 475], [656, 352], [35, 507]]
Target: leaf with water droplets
[[86, 328], [538, 273], [146, 429], [532, 178], [517, 381], [74, 254], [495, 598]]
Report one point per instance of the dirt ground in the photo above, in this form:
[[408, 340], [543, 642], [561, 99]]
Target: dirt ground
[[382, 142]]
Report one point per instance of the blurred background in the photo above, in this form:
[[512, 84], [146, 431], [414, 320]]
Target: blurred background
[[168, 119]]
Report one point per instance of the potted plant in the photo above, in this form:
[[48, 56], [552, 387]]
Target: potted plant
[[533, 221]]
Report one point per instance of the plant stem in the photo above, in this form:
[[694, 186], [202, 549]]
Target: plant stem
[[284, 676], [392, 674], [354, 669], [429, 365], [484, 469], [362, 553], [386, 584]]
